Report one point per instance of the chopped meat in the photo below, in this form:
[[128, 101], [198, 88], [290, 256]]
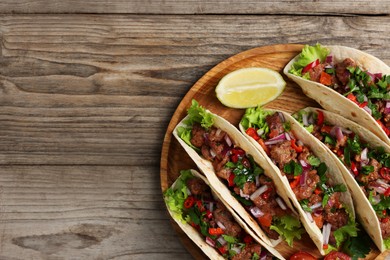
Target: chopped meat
[[385, 228], [342, 73], [372, 176], [218, 164], [218, 149], [196, 186], [275, 124], [247, 252], [249, 188], [315, 73], [222, 215], [282, 153], [205, 150], [314, 199], [270, 233], [333, 202], [318, 219], [224, 173], [216, 135], [197, 135], [337, 218], [306, 191], [317, 132], [264, 180], [304, 154]]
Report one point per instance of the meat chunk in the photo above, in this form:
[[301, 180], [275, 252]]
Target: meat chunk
[[224, 173], [247, 252], [342, 73], [216, 135], [337, 218], [197, 135], [282, 153], [249, 188], [306, 191], [385, 229], [218, 164], [205, 150], [315, 73], [196, 186], [222, 215], [372, 176], [275, 125]]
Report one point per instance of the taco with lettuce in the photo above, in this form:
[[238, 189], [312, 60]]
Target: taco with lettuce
[[239, 174], [364, 161], [309, 174], [211, 225], [346, 81]]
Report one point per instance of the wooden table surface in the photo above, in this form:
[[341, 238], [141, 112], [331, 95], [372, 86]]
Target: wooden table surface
[[87, 89]]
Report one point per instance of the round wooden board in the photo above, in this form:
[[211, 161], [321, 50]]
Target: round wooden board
[[173, 156]]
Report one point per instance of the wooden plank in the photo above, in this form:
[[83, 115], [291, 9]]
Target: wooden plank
[[338, 7], [89, 89], [83, 212]]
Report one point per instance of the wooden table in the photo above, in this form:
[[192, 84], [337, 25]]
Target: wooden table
[[87, 89]]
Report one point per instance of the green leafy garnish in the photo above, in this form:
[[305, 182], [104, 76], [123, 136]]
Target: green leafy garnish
[[255, 117], [197, 114], [288, 227], [293, 168]]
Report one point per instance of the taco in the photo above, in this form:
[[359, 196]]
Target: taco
[[309, 174], [346, 81], [211, 225], [364, 160], [239, 174]]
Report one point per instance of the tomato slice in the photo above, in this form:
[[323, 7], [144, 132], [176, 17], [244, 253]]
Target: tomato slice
[[265, 220], [302, 256], [385, 173], [337, 256]]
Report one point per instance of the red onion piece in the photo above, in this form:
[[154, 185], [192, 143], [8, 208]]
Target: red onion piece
[[281, 117], [363, 155], [305, 119], [228, 140], [236, 249], [263, 255], [336, 132], [243, 195], [258, 192], [222, 226], [368, 110], [387, 108], [326, 233], [221, 240], [308, 214], [329, 59], [278, 139], [210, 242], [287, 135], [281, 203], [257, 180], [260, 132], [302, 180], [305, 165], [212, 153], [211, 206], [256, 212], [316, 205]]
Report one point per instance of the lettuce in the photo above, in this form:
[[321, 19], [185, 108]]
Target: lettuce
[[197, 114], [185, 134], [175, 196], [307, 56], [343, 233], [386, 242], [288, 227], [255, 117]]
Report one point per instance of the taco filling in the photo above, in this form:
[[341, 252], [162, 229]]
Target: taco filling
[[368, 165], [191, 200], [367, 89], [242, 175], [307, 175]]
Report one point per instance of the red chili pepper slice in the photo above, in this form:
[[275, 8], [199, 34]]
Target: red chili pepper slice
[[248, 239], [354, 169], [189, 202], [209, 214], [385, 173], [216, 231], [297, 148], [234, 158], [231, 180], [252, 133], [262, 144], [223, 249], [200, 206], [387, 131], [352, 97], [385, 220], [295, 182], [310, 66], [320, 118], [363, 104], [387, 192], [266, 194], [326, 79]]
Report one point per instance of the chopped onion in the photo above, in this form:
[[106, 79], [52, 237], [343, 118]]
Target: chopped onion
[[346, 131], [211, 206], [363, 155], [210, 242], [329, 59], [243, 195], [221, 241], [300, 143], [376, 199], [236, 249], [281, 203], [383, 183], [258, 192], [188, 192], [263, 255], [305, 120], [228, 140], [212, 153], [221, 225], [287, 135], [276, 139], [368, 110], [256, 212], [316, 205], [302, 180], [308, 214], [257, 180], [281, 117], [336, 132], [387, 108], [219, 130], [304, 164], [326, 233], [260, 132]]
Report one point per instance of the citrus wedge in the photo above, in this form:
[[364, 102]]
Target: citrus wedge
[[249, 87]]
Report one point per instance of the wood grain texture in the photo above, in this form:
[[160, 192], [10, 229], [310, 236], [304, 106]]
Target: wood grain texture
[[85, 101], [294, 7]]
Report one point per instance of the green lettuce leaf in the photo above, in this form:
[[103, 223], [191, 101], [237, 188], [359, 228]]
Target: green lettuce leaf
[[255, 117], [175, 196], [307, 56], [344, 233], [288, 227], [197, 114], [386, 242], [185, 134]]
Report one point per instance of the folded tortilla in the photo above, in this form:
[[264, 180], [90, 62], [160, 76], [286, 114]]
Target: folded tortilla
[[331, 100], [221, 189], [199, 239], [333, 170], [363, 207]]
